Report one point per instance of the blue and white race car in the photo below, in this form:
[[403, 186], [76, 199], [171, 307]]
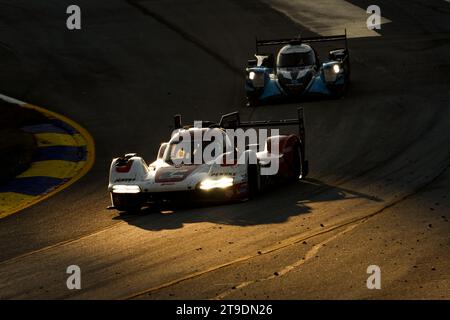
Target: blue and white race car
[[297, 73]]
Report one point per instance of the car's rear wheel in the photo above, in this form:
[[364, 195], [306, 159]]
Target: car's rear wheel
[[254, 180], [252, 102], [297, 164]]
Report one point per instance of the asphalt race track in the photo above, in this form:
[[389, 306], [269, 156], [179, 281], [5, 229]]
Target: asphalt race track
[[378, 190]]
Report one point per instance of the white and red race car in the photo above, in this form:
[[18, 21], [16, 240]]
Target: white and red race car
[[229, 172]]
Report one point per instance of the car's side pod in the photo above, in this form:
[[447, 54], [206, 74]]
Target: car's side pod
[[232, 121]]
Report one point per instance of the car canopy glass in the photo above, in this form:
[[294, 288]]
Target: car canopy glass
[[295, 59]]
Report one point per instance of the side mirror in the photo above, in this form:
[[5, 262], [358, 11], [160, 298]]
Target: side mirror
[[230, 120], [338, 54], [162, 150], [252, 63], [269, 61], [177, 121]]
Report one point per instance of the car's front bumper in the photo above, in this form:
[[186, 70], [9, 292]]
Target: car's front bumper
[[235, 192]]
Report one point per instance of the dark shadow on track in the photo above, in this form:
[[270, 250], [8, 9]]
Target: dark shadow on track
[[296, 199]]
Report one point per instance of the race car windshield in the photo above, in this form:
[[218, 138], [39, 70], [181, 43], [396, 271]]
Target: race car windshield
[[295, 59], [189, 152]]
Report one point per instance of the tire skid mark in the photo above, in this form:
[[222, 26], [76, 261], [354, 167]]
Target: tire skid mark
[[283, 244], [310, 254], [314, 193], [292, 240]]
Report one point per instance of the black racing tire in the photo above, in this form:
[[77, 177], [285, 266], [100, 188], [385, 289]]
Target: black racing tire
[[340, 91], [343, 91], [252, 101], [126, 202], [297, 164], [254, 180]]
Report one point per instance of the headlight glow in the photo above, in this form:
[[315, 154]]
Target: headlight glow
[[251, 75], [336, 68], [126, 189], [221, 183]]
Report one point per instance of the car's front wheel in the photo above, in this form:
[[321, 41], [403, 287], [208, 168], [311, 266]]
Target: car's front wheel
[[252, 102], [126, 202]]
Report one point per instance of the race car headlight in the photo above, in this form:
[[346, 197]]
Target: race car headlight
[[331, 71], [221, 183], [257, 78], [336, 68], [126, 189]]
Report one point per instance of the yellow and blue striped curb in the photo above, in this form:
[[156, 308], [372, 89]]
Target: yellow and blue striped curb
[[65, 153]]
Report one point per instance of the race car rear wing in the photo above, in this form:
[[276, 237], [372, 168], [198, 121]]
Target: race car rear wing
[[233, 121], [299, 40]]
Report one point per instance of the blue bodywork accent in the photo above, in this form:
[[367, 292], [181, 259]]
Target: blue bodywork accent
[[272, 88], [318, 86]]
